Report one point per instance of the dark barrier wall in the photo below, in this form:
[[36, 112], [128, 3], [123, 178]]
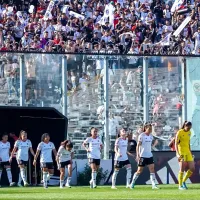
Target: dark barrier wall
[[35, 121], [166, 166]]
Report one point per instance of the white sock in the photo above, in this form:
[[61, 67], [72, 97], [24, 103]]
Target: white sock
[[135, 177], [49, 176], [23, 175], [128, 176], [19, 179], [114, 177], [8, 170], [69, 180], [61, 183], [45, 178], [153, 179], [0, 174], [94, 176]]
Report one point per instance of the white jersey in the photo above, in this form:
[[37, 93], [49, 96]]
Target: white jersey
[[94, 147], [46, 152], [64, 155], [23, 149], [122, 145], [4, 151], [146, 145]]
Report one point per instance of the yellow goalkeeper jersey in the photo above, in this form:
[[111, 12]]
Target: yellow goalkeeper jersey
[[183, 141]]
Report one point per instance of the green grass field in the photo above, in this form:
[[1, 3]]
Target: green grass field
[[167, 192]]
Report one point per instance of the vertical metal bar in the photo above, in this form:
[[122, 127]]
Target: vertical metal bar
[[106, 108], [145, 88], [30, 170], [64, 85], [184, 89], [22, 80]]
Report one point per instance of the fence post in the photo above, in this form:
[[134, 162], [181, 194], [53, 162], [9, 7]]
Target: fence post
[[64, 85], [22, 80], [106, 109], [184, 89], [145, 88]]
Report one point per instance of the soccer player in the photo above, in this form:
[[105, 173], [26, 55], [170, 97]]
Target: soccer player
[[144, 155], [45, 147], [64, 159], [121, 159], [4, 158], [183, 152], [93, 153], [22, 146]]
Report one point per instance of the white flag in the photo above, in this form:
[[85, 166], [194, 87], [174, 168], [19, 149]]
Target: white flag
[[47, 14], [21, 19], [182, 26], [71, 13], [176, 5], [165, 41]]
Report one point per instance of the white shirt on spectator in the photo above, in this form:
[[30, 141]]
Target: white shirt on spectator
[[113, 125], [105, 38], [4, 151], [46, 152]]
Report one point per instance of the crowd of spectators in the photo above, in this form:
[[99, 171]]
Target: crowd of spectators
[[139, 27]]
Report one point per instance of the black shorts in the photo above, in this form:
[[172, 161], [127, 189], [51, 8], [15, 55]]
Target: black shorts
[[31, 83], [121, 164], [48, 165], [22, 162], [64, 164], [145, 161], [94, 161], [4, 164]]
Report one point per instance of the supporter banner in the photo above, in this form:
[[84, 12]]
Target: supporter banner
[[108, 13], [21, 19], [74, 14], [182, 26], [47, 15], [177, 4], [165, 41]]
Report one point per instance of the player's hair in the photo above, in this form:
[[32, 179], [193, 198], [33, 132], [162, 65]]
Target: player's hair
[[93, 128], [186, 123], [146, 125], [44, 136], [4, 134], [67, 143], [21, 133]]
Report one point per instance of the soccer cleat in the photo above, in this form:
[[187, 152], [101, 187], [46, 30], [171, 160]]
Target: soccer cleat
[[45, 187], [184, 185], [94, 186], [61, 187], [68, 185], [128, 186], [12, 184], [91, 184], [19, 184], [113, 187], [26, 184], [181, 188], [132, 185], [154, 187]]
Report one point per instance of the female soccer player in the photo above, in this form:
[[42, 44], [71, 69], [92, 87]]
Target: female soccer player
[[121, 159], [45, 147], [23, 145], [64, 159], [183, 152], [144, 155], [4, 158], [94, 154]]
